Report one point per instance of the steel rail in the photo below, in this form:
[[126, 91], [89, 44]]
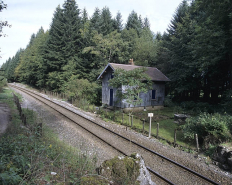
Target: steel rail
[[141, 146]]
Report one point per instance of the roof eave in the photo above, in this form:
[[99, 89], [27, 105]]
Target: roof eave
[[108, 65]]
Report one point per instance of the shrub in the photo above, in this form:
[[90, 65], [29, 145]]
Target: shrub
[[82, 89], [212, 128], [2, 83], [168, 102]]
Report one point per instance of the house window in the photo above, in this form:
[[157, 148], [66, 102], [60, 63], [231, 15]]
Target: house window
[[153, 94], [112, 75]]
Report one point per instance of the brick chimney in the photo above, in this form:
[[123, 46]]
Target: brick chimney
[[131, 61]]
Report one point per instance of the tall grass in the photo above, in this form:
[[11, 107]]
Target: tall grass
[[27, 157]]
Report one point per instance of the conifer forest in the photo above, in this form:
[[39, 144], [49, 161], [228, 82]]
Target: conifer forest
[[195, 52]]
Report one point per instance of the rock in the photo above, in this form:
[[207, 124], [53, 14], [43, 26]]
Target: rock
[[220, 155], [144, 177], [225, 167], [94, 180], [130, 170], [229, 159]]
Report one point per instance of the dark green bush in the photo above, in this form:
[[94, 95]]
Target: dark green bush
[[216, 126], [82, 89]]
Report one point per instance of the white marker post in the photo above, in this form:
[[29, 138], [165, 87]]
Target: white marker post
[[150, 115]]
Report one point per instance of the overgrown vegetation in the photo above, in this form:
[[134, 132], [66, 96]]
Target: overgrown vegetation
[[131, 83], [26, 157], [3, 82], [211, 128]]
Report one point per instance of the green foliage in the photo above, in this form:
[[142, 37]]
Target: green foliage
[[2, 83], [145, 48], [216, 126], [11, 65], [30, 68], [131, 83], [195, 53], [26, 158], [82, 89], [210, 151], [134, 22], [106, 21]]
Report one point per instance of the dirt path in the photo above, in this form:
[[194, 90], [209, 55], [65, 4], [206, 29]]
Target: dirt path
[[4, 117]]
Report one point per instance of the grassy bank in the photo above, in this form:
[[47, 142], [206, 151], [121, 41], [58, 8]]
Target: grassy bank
[[165, 118], [29, 156]]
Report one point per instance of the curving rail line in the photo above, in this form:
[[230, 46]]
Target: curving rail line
[[33, 94]]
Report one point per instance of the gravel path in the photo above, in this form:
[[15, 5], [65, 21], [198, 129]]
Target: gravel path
[[67, 130], [189, 160]]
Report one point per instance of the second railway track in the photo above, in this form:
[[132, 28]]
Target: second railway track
[[166, 170]]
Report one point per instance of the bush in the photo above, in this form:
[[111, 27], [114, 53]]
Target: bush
[[212, 128], [82, 89], [2, 83], [168, 102]]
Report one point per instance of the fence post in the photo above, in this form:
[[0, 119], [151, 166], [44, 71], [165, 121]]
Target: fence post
[[175, 138], [157, 133], [132, 121], [197, 143]]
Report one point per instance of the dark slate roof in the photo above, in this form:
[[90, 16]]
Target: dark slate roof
[[152, 72]]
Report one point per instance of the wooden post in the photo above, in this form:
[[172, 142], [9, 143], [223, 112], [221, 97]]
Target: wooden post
[[122, 117], [197, 143], [175, 138], [157, 133], [143, 125], [132, 121]]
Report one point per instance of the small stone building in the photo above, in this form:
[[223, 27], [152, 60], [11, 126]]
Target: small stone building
[[154, 98]]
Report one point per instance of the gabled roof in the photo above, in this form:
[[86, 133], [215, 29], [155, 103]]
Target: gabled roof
[[152, 72]]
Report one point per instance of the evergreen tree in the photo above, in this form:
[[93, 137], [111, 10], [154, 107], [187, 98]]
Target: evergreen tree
[[95, 20], [54, 53], [117, 24], [10, 66], [134, 22], [31, 68], [146, 23], [64, 43], [71, 34], [106, 21], [84, 17]]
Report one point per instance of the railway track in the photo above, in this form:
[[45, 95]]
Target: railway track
[[165, 170]]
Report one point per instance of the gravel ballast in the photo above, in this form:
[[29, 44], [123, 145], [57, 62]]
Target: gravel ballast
[[68, 131]]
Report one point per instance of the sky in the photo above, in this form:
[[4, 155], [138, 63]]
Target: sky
[[27, 16]]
